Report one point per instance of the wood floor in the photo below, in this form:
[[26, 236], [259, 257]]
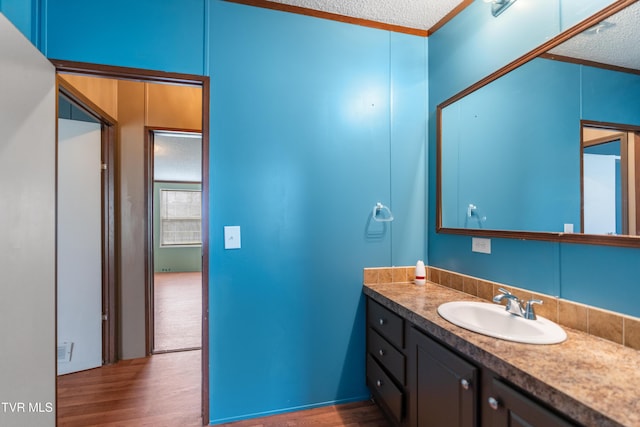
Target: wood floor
[[161, 390], [177, 311], [358, 414], [164, 391]]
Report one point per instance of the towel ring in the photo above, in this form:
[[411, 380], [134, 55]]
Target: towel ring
[[377, 209]]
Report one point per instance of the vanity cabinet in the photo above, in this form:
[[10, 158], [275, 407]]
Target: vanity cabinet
[[443, 387], [386, 360], [420, 382]]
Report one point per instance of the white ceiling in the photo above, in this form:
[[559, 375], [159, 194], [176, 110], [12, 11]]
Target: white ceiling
[[415, 14], [615, 41]]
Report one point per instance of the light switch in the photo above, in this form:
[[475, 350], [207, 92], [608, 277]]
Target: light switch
[[232, 237], [568, 228], [481, 245]]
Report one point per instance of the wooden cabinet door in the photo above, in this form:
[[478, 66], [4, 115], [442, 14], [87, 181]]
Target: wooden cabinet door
[[510, 408], [443, 388]]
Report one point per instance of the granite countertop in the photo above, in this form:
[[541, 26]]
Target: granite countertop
[[593, 381]]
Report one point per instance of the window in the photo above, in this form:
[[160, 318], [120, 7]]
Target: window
[[180, 217]]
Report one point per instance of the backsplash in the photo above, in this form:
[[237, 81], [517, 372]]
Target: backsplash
[[619, 328]]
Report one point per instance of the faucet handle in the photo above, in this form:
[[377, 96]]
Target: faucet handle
[[505, 294], [529, 312], [504, 291]]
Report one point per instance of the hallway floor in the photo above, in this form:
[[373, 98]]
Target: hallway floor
[[162, 390], [177, 311]]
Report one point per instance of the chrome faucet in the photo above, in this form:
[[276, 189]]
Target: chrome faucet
[[515, 306]]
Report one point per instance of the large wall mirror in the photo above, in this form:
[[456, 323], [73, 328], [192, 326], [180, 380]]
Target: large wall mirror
[[548, 148]]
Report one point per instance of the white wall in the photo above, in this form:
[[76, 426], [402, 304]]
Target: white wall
[[599, 194], [27, 233]]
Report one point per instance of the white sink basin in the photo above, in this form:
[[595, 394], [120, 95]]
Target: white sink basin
[[493, 320]]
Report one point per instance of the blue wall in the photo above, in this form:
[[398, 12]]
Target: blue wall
[[577, 272], [312, 123], [165, 36], [512, 148], [313, 144], [610, 96], [24, 14]]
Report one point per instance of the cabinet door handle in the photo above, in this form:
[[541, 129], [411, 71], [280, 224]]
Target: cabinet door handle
[[378, 383], [493, 403], [381, 321], [465, 384], [381, 352]]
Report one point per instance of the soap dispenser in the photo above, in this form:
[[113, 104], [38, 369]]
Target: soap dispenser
[[421, 273]]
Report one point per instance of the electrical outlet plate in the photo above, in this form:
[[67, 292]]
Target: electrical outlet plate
[[481, 245]]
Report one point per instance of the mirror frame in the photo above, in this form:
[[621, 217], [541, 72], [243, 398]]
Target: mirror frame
[[591, 239]]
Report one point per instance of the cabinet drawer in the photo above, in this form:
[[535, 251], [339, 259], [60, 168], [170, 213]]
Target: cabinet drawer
[[387, 355], [386, 322], [384, 389]]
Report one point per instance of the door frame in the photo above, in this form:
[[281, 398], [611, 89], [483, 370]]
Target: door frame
[[139, 74], [108, 135], [629, 136], [149, 132]]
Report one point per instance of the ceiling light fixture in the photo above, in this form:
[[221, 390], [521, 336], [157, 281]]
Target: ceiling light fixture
[[499, 6], [600, 27]]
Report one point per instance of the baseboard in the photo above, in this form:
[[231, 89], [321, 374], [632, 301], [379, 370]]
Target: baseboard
[[213, 422]]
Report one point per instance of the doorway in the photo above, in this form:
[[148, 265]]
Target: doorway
[[610, 165], [134, 197], [176, 247]]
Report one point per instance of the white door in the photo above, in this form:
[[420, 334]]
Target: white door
[[79, 246], [27, 231]]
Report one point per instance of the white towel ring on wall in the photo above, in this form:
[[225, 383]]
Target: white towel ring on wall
[[382, 213]]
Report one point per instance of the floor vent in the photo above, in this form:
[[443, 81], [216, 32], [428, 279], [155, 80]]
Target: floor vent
[[64, 352]]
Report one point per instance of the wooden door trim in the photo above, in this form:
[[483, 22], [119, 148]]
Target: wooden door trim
[[127, 73], [635, 140]]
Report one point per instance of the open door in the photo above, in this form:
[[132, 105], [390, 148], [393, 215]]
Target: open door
[[79, 220], [27, 228]]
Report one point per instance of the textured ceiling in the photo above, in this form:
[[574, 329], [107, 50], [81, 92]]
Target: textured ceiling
[[614, 41], [416, 14], [177, 157]]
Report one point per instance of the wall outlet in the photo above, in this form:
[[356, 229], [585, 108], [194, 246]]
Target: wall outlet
[[482, 246]]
